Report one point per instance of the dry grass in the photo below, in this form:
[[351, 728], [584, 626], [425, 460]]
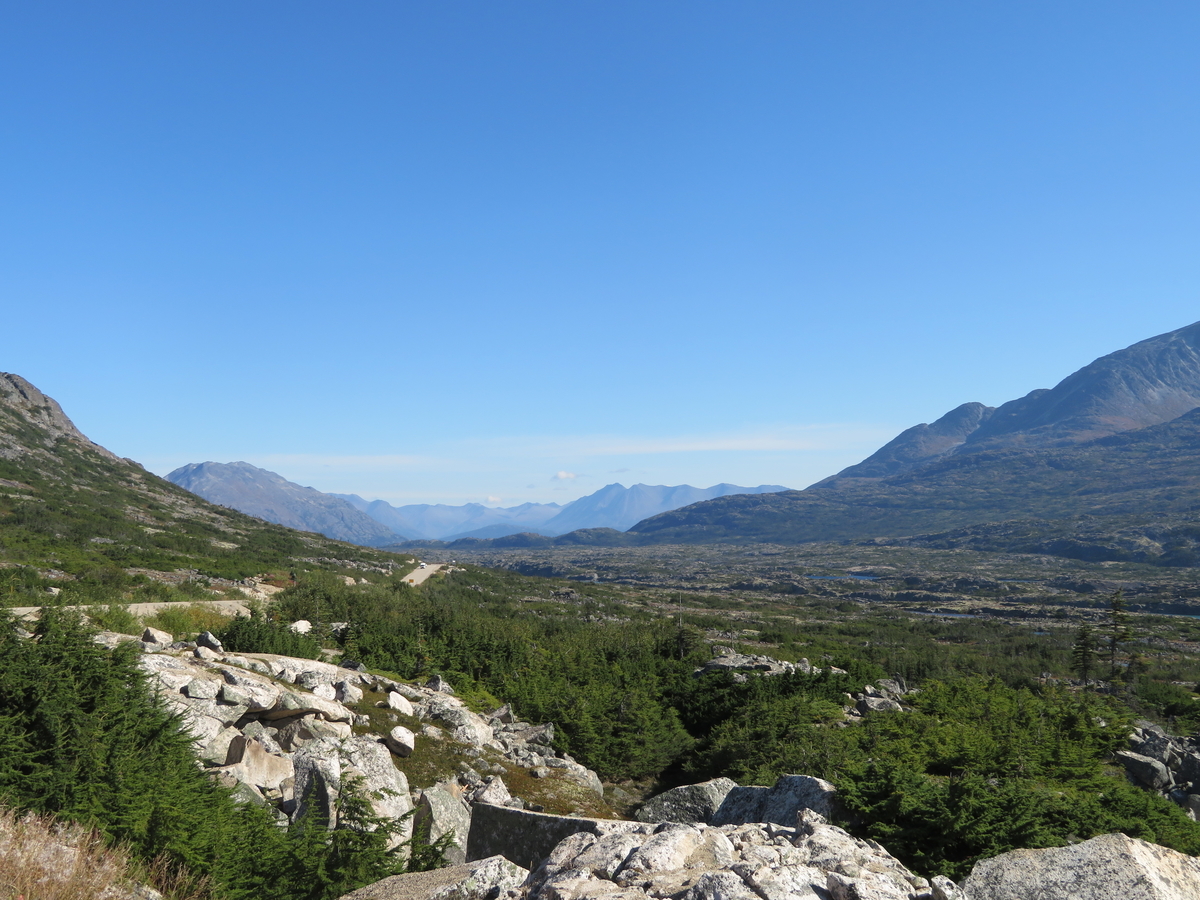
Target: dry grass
[[44, 859]]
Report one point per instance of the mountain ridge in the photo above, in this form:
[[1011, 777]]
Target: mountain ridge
[[1118, 438], [269, 496]]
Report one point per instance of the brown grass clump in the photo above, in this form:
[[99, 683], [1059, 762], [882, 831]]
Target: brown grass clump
[[44, 859]]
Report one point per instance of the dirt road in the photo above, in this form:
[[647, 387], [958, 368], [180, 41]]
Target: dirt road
[[225, 607], [418, 575]]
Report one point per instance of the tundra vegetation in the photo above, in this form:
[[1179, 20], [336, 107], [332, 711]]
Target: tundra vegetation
[[992, 755]]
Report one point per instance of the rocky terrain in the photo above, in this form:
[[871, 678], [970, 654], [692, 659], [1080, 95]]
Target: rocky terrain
[[286, 732], [292, 734], [763, 860]]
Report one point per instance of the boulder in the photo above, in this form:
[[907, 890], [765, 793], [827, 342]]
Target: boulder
[[743, 803], [384, 784], [877, 704], [494, 792], [464, 725], [296, 732], [292, 703], [318, 781], [249, 762], [347, 692], [734, 862], [401, 741], [154, 636], [216, 750], [400, 703], [440, 812], [522, 835], [1108, 867], [793, 793], [201, 689], [480, 880], [689, 803], [1148, 772], [209, 640], [779, 804]]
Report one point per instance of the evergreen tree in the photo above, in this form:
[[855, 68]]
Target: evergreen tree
[[1083, 652], [1119, 630]]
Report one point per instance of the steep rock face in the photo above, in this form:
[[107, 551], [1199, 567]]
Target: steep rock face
[[22, 405], [266, 495]]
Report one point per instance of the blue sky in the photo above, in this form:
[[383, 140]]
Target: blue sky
[[507, 251]]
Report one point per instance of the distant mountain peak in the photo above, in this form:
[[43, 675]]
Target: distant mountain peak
[[1149, 383], [268, 495]]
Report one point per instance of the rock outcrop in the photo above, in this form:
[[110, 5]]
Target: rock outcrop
[[1161, 762], [1109, 867], [813, 861], [278, 731], [689, 804], [485, 879]]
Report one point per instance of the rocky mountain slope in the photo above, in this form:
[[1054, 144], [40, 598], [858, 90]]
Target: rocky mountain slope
[[1118, 440], [1149, 383], [265, 495], [69, 506]]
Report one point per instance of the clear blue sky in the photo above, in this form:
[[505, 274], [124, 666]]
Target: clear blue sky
[[453, 251]]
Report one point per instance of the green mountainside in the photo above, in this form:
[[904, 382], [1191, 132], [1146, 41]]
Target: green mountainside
[[68, 506], [1148, 478], [1104, 466]]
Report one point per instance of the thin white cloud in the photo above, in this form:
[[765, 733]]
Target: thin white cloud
[[564, 476], [492, 499], [345, 461]]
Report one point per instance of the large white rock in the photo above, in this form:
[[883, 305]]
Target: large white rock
[[1108, 867], [249, 762], [401, 741], [384, 784], [400, 703]]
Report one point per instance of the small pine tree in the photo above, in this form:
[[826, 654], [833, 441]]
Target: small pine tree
[[1083, 652], [1119, 630]]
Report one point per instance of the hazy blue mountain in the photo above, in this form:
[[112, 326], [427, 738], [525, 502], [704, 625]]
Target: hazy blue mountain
[[613, 506], [272, 497], [616, 506], [424, 521]]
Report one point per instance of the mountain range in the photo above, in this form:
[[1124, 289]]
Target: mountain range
[[1113, 450], [376, 523], [72, 508]]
